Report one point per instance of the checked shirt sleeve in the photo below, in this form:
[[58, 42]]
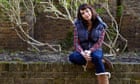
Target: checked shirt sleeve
[[76, 41], [99, 42]]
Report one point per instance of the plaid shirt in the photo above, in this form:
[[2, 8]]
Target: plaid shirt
[[97, 45]]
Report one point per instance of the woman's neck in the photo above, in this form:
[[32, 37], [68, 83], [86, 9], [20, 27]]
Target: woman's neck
[[89, 24]]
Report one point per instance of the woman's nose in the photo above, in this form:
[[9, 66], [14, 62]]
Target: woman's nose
[[86, 14]]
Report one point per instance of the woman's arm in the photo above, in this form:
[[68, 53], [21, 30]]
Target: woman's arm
[[76, 42], [98, 44], [79, 48]]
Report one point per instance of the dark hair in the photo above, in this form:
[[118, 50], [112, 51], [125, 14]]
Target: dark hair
[[83, 7]]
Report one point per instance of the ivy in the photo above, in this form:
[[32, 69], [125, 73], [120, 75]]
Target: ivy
[[119, 10], [5, 3], [100, 10]]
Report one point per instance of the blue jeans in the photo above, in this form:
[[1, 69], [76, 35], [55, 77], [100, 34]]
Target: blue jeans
[[97, 56]]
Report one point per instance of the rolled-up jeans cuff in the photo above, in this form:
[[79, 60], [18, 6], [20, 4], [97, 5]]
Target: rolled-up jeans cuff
[[104, 73]]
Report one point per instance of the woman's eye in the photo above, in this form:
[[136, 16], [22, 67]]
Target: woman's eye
[[87, 10], [82, 13]]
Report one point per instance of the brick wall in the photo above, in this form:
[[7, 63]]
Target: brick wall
[[63, 73], [9, 38], [49, 30], [130, 27]]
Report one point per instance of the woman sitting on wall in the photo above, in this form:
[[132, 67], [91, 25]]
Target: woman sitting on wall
[[89, 34]]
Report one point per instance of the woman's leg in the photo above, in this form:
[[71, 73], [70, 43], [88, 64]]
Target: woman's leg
[[77, 58], [97, 57], [102, 76], [103, 79]]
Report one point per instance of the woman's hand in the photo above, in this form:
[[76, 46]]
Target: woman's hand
[[86, 55], [87, 58]]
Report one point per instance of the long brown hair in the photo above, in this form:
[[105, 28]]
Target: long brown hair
[[83, 7]]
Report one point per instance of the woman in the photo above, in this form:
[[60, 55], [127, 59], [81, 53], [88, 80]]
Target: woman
[[88, 38]]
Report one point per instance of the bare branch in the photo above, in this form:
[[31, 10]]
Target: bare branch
[[14, 13], [71, 6]]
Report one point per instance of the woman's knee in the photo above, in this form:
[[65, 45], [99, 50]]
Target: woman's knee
[[76, 58], [97, 58], [72, 56], [98, 55]]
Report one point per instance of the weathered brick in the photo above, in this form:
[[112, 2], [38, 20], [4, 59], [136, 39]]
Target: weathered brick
[[46, 27], [124, 73]]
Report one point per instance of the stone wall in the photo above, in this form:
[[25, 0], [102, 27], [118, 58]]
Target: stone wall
[[63, 73]]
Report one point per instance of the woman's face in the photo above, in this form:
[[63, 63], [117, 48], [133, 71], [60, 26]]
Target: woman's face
[[86, 14]]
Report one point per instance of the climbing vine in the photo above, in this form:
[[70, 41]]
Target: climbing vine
[[60, 9], [15, 10], [69, 13]]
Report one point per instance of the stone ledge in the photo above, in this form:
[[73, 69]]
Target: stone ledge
[[63, 73], [61, 67]]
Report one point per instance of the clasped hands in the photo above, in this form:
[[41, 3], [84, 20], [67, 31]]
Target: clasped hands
[[86, 55]]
